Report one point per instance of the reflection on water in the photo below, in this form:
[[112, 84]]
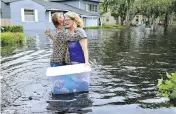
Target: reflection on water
[[70, 103], [125, 67]]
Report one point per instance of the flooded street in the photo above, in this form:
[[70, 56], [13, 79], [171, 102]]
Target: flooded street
[[125, 67]]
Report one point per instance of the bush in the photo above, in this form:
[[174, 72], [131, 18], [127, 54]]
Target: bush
[[9, 38], [113, 26], [106, 26], [13, 28], [93, 27], [167, 88]]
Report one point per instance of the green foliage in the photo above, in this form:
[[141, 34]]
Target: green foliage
[[9, 49], [9, 38], [118, 8], [113, 26], [167, 87], [106, 26], [13, 28], [92, 27], [152, 9]]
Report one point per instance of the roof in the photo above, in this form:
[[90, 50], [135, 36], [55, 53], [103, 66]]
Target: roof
[[9, 1], [75, 0], [59, 6], [64, 7]]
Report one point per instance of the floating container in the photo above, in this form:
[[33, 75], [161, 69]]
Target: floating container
[[69, 78]]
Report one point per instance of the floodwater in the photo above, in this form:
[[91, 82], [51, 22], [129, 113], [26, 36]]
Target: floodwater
[[125, 67]]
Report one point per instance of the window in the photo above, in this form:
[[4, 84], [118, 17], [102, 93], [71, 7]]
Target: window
[[91, 7], [87, 7], [29, 15], [95, 9], [107, 18], [137, 18]]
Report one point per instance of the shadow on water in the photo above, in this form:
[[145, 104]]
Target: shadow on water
[[125, 67], [73, 103]]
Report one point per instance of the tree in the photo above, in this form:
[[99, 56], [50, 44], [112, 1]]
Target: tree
[[129, 12], [152, 9], [155, 8], [117, 8]]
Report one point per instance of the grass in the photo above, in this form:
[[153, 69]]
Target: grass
[[9, 38], [172, 25], [9, 49], [106, 26]]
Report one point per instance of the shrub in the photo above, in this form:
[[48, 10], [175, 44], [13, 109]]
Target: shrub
[[93, 27], [167, 88], [12, 38], [106, 26], [13, 28]]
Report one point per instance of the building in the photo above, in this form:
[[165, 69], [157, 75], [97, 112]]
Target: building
[[107, 19], [91, 6], [36, 14]]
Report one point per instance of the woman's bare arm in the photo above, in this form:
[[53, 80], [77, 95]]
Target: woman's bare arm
[[84, 45]]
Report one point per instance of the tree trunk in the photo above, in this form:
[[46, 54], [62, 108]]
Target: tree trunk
[[121, 20], [117, 19], [171, 18], [148, 21], [166, 21], [127, 18]]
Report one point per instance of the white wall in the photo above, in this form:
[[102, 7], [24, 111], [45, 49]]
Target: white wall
[[91, 21], [111, 21]]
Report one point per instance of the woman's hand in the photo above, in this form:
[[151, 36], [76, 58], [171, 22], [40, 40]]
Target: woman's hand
[[87, 64], [48, 32]]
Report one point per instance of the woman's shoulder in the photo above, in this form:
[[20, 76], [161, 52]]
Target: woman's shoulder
[[82, 32], [80, 29]]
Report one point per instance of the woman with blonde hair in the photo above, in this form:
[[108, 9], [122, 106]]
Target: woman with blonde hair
[[78, 49], [60, 41]]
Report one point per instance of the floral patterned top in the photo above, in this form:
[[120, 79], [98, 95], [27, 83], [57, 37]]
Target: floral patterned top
[[60, 44]]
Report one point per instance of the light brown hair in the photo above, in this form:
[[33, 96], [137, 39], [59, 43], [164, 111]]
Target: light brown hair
[[74, 16], [55, 17]]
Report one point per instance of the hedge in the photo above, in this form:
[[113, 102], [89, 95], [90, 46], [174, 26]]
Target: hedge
[[13, 28], [10, 38], [106, 26]]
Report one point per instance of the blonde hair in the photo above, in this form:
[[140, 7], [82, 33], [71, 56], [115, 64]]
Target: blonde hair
[[55, 17], [74, 16]]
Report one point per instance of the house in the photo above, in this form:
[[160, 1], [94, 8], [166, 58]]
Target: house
[[138, 19], [36, 14], [86, 5], [107, 19]]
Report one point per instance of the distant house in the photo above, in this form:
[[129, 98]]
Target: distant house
[[107, 19], [139, 19], [36, 14]]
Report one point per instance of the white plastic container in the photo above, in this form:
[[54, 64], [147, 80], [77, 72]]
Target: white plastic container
[[69, 78]]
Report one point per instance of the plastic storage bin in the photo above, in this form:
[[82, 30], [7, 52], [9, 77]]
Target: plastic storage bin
[[69, 78]]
